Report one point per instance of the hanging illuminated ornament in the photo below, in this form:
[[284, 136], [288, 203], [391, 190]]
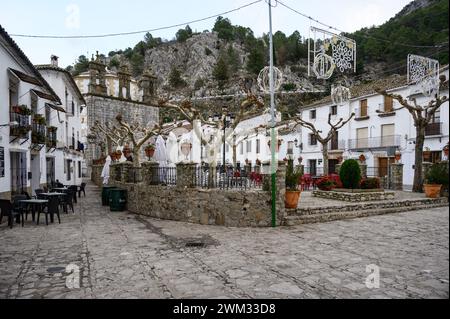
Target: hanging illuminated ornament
[[264, 79], [424, 73], [340, 94], [329, 53], [323, 66]]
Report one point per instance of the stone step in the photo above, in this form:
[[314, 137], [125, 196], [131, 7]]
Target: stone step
[[346, 207], [328, 217]]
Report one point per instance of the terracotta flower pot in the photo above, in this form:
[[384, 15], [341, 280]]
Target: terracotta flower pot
[[432, 190], [292, 199], [150, 152]]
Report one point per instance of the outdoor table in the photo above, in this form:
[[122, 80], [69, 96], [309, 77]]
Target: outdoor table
[[60, 189], [40, 203]]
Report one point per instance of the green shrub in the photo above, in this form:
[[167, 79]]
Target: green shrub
[[350, 174], [371, 183], [438, 174]]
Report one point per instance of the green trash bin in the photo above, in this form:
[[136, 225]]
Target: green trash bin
[[117, 200], [105, 194]]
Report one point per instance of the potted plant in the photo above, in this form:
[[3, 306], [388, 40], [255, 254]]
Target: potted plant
[[436, 179], [293, 177], [446, 150], [340, 159], [398, 156], [300, 160], [39, 119], [150, 150], [362, 158], [23, 110]]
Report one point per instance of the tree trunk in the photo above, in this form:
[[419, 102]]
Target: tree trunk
[[325, 159], [136, 157], [234, 156], [420, 141]]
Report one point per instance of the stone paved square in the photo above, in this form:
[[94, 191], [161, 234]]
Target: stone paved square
[[121, 255]]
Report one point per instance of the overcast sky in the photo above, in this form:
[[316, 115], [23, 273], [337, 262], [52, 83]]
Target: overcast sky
[[88, 17]]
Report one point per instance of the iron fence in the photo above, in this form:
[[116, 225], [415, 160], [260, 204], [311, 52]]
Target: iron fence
[[374, 142], [314, 171]]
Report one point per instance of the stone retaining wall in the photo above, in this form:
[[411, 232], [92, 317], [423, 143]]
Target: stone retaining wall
[[200, 206], [95, 174], [355, 197], [231, 208]]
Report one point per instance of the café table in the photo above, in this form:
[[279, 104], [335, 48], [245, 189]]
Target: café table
[[36, 203]]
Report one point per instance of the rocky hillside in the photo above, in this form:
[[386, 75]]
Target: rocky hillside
[[211, 63]]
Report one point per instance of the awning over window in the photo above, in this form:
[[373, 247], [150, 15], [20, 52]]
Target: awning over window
[[55, 107]]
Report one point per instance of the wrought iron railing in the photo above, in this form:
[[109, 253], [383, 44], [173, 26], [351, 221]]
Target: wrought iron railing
[[51, 138], [22, 126], [374, 142], [38, 133]]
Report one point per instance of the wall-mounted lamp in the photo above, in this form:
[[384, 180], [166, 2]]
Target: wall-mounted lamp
[[296, 143]]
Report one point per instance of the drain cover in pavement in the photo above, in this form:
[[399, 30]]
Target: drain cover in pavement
[[56, 270], [196, 244]]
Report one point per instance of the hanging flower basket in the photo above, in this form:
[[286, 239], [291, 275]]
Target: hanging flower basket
[[340, 159], [300, 160], [398, 156], [362, 158]]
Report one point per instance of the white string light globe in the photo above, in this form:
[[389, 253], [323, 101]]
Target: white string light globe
[[264, 79], [340, 94]]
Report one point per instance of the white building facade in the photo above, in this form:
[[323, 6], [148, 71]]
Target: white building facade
[[67, 159], [377, 131], [27, 102]]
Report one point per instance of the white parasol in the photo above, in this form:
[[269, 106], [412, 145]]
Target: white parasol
[[172, 149], [105, 171], [161, 152]]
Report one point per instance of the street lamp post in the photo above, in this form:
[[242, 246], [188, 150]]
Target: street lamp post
[[228, 119]]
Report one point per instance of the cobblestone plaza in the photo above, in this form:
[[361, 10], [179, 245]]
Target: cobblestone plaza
[[120, 255]]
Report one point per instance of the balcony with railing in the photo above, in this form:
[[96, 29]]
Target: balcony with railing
[[21, 126], [375, 142], [433, 129], [362, 113], [38, 133], [51, 140]]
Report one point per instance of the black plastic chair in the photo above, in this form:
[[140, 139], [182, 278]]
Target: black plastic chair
[[82, 189], [52, 208], [39, 192], [67, 201], [73, 190], [7, 209]]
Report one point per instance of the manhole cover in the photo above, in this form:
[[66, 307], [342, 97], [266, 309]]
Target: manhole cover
[[196, 244], [56, 270]]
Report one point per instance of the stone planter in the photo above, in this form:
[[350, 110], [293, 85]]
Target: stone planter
[[292, 199], [432, 190]]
